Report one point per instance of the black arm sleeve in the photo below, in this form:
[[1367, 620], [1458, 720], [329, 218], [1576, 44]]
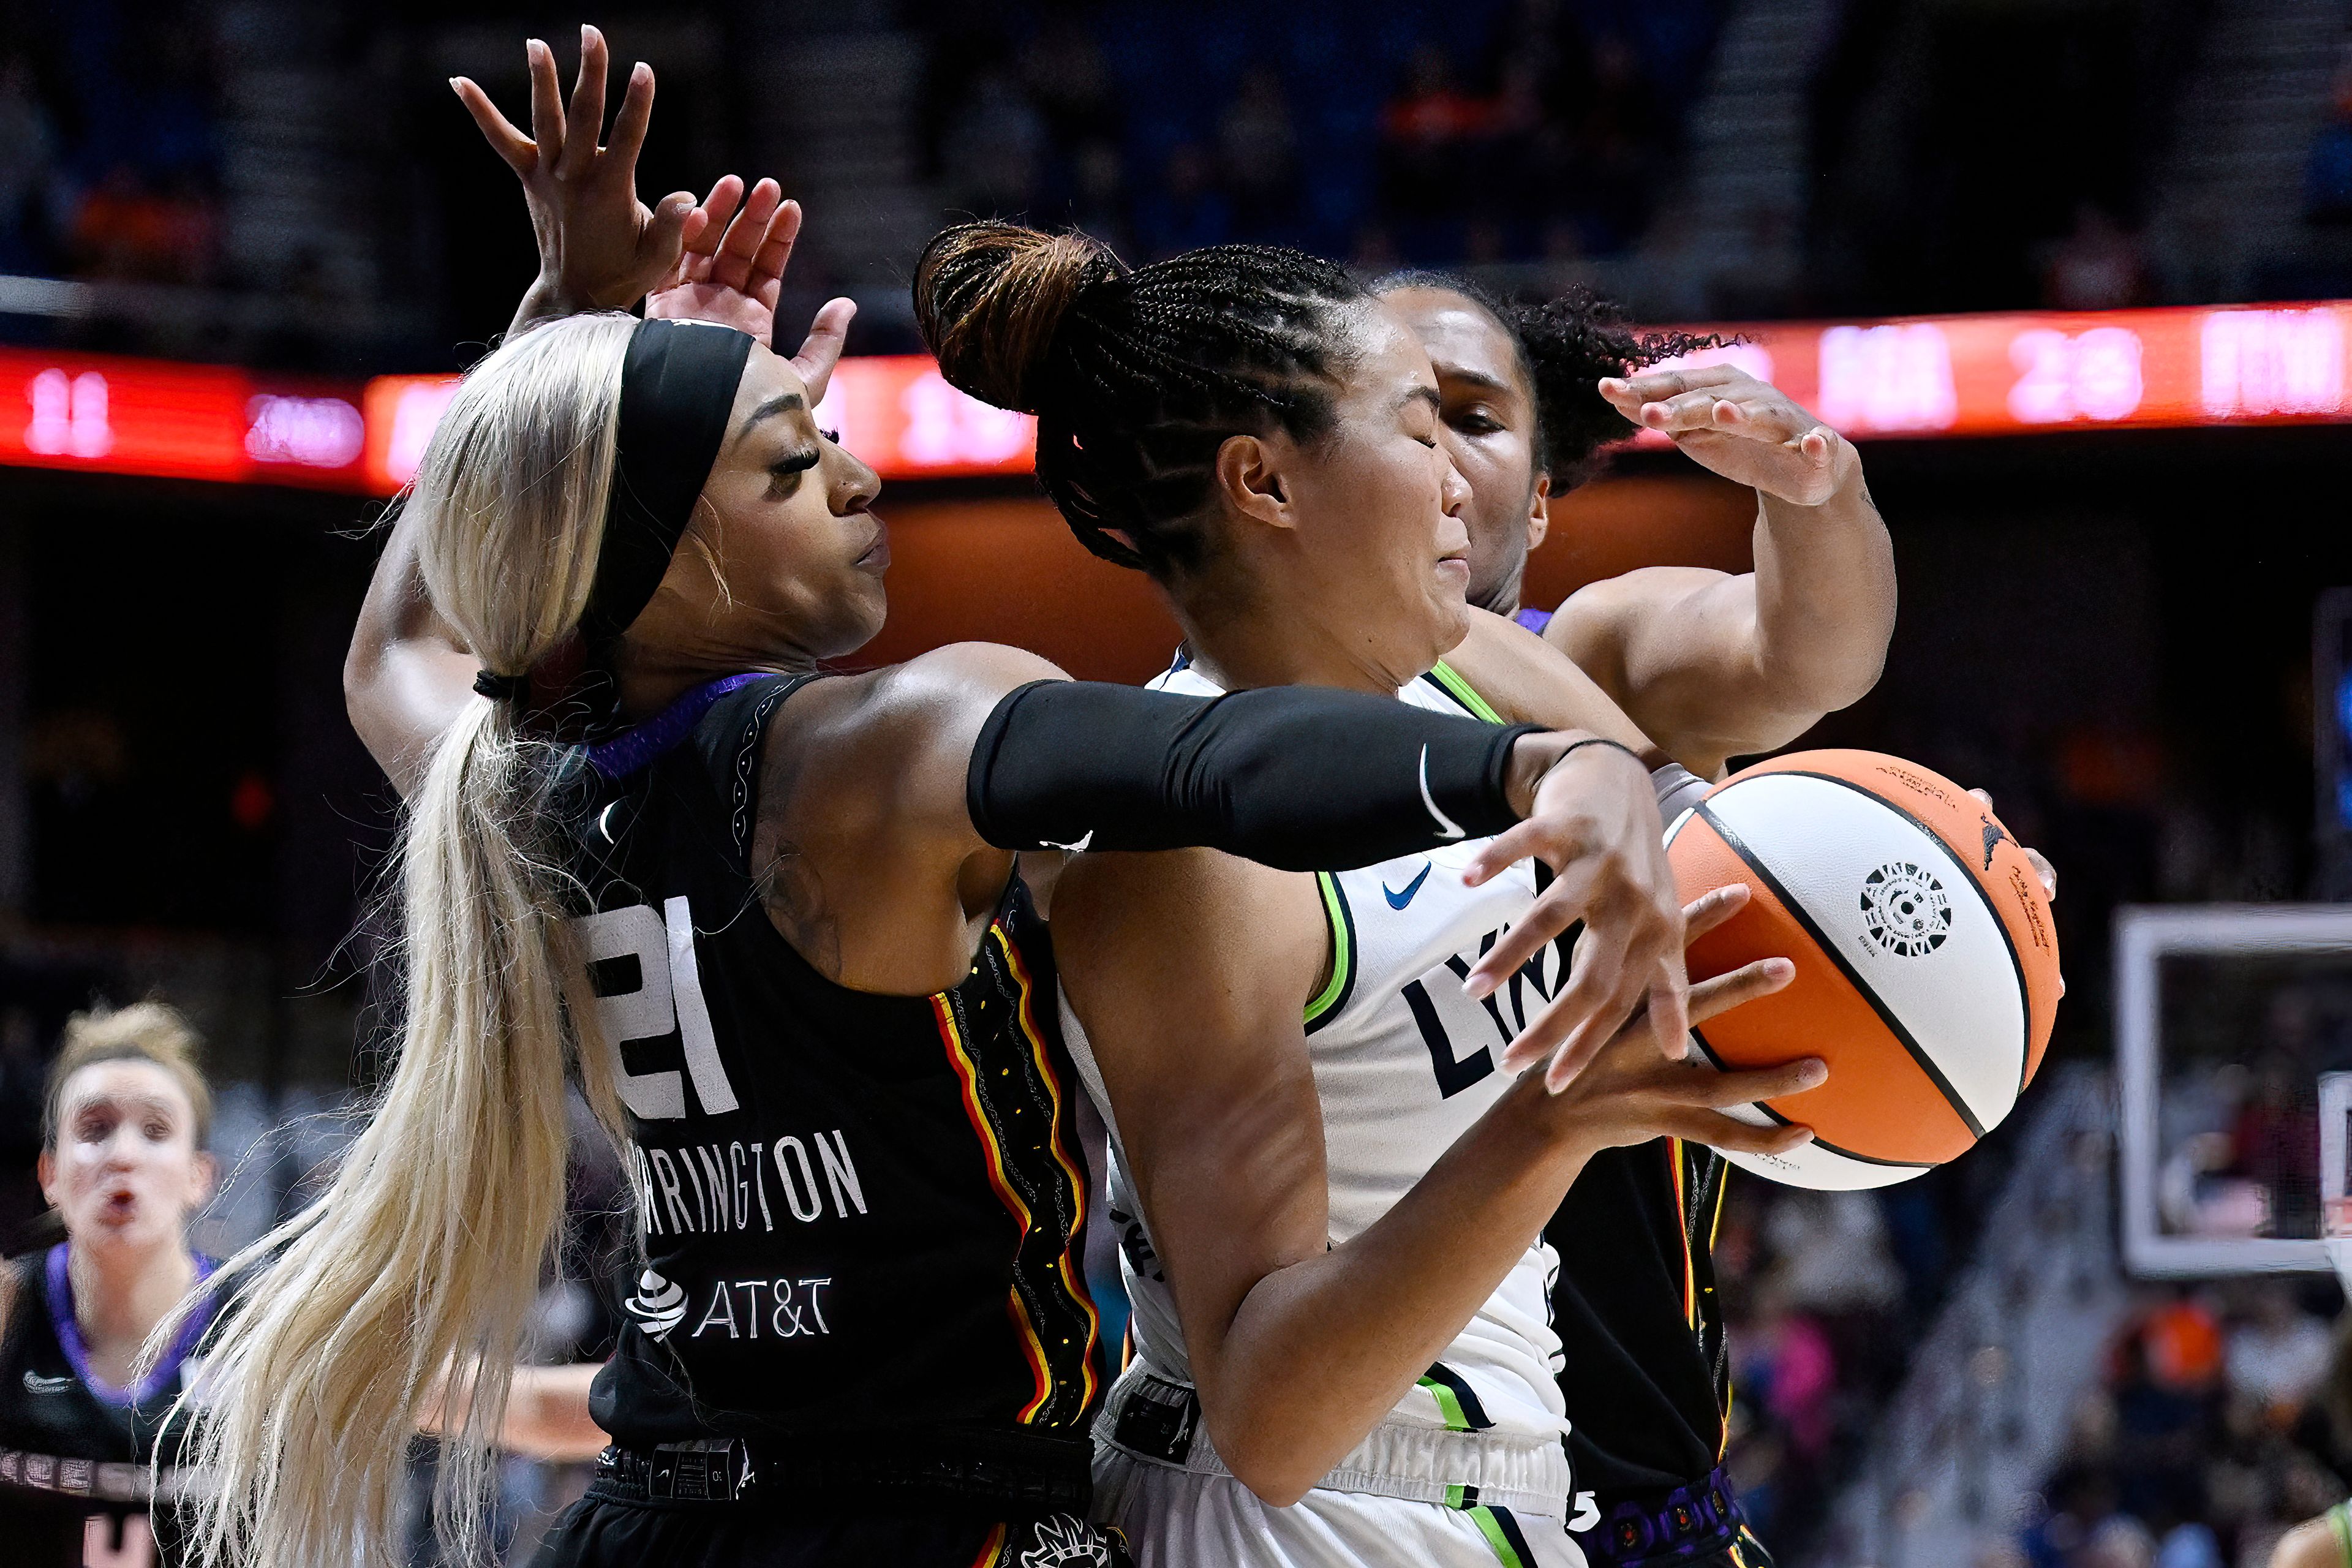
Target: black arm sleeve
[[1300, 778]]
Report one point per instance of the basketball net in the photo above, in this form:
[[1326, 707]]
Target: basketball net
[[2336, 1172]]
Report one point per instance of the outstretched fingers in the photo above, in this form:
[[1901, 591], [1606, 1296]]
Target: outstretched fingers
[[1720, 1090], [821, 350], [1588, 1009], [775, 252], [520, 152], [1628, 392], [706, 227], [731, 265], [1713, 998], [1669, 1007], [585, 116], [1731, 1136], [546, 97], [636, 115]]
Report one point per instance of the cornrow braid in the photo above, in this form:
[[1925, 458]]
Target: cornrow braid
[[1136, 377], [1564, 346]]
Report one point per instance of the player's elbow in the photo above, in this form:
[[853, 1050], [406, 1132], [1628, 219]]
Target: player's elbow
[[1272, 1480], [1278, 1463], [1805, 685]]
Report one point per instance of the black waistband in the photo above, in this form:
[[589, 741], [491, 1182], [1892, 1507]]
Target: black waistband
[[1657, 1528], [1013, 1473]]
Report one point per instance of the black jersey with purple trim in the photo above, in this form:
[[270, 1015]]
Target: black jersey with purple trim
[[1644, 1376], [68, 1439], [859, 1210]]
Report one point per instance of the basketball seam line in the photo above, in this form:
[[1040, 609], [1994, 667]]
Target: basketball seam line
[[1819, 1141], [2016, 965], [1863, 988]]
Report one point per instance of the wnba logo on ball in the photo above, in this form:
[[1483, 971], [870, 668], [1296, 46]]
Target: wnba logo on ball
[[1904, 911]]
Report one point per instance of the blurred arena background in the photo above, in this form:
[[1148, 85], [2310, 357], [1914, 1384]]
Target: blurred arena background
[[2064, 267]]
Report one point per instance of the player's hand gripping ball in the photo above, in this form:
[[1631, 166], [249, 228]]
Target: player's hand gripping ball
[[1927, 963]]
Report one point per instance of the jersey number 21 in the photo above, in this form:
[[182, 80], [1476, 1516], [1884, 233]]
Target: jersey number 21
[[667, 999]]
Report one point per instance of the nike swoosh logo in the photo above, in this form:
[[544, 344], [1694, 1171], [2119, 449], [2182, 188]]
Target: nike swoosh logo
[[1398, 900], [1078, 848], [1447, 826], [37, 1383]]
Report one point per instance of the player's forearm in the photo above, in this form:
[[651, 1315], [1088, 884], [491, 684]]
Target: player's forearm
[[1824, 586], [405, 676], [544, 300], [1321, 1350], [547, 1413]]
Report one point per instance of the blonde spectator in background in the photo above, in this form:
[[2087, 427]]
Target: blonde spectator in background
[[86, 1424]]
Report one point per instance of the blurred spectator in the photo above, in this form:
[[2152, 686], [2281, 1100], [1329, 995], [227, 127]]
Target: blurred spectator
[[2191, 1545], [1832, 1247], [2279, 1356], [2152, 1462], [1551, 147], [2274, 1143], [1784, 1359], [2098, 266], [2177, 1349]]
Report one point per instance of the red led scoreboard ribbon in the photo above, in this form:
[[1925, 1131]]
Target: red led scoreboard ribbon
[[2019, 374], [1928, 376], [110, 415]]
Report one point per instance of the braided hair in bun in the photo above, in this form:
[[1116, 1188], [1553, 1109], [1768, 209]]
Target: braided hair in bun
[[1136, 377]]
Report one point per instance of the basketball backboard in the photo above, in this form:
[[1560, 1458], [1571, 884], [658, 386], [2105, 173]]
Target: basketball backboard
[[2227, 1018]]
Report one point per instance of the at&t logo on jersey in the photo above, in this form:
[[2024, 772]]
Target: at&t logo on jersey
[[659, 1304]]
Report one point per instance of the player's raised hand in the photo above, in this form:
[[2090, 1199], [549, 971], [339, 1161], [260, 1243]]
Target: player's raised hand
[[599, 247], [1594, 822], [731, 269], [1746, 430]]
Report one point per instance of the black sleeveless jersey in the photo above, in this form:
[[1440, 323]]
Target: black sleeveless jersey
[[66, 1438], [1645, 1378], [860, 1211]]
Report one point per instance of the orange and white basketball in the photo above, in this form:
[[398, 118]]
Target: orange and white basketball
[[1927, 964]]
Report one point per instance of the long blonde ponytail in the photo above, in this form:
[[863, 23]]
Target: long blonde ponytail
[[425, 1252]]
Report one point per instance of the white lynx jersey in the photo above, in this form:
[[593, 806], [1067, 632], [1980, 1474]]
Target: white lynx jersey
[[1403, 1064]]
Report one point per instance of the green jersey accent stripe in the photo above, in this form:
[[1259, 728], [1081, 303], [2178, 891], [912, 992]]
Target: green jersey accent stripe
[[1502, 1534], [1457, 1399], [1342, 922], [1448, 681], [2340, 1520], [1448, 1405]]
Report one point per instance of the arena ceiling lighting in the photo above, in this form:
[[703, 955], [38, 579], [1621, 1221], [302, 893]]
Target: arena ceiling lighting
[[1922, 377]]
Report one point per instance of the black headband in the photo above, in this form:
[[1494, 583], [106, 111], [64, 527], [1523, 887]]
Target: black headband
[[677, 387]]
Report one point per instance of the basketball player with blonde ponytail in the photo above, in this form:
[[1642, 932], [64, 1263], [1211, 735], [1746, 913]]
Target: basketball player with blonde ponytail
[[773, 919], [426, 1249]]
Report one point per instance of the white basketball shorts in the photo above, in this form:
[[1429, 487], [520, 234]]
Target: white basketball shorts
[[1178, 1519]]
